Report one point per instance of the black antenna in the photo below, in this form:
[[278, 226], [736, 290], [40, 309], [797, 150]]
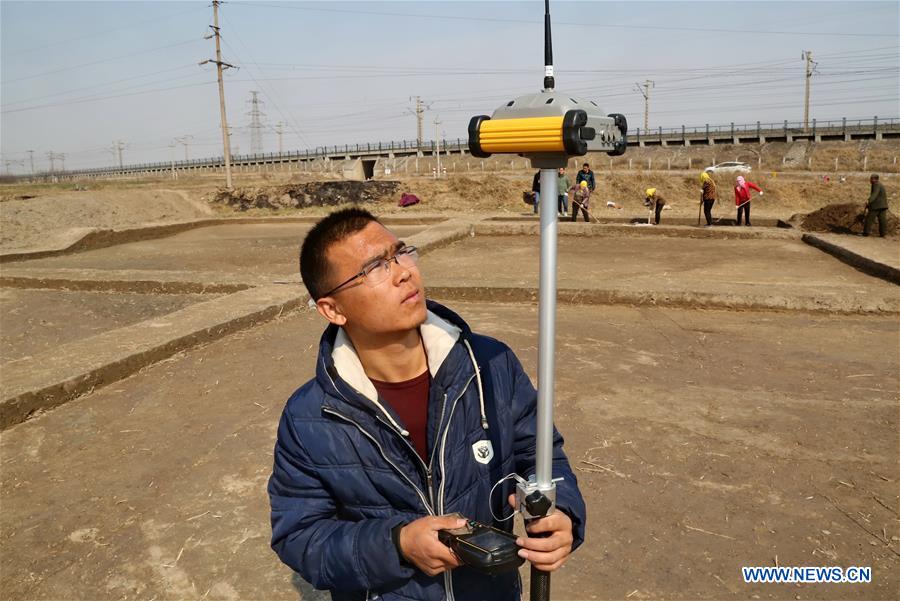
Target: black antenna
[[549, 84]]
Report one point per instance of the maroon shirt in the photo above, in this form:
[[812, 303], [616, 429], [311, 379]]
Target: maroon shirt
[[410, 400]]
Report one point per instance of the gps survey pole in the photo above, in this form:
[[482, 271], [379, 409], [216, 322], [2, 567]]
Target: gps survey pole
[[547, 128], [540, 581]]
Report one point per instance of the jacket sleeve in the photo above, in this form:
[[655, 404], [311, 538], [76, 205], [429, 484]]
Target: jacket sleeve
[[877, 194], [328, 552], [754, 186], [592, 183], [524, 401]]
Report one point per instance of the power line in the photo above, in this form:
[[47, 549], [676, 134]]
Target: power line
[[566, 23], [95, 99], [100, 85], [288, 117], [98, 62], [101, 32]]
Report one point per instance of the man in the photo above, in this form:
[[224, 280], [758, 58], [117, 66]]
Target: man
[[654, 201], [876, 207], [586, 175], [411, 416], [536, 188], [562, 199], [581, 199]]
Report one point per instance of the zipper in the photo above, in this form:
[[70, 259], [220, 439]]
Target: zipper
[[448, 585], [394, 428], [444, 444], [425, 502], [448, 576], [429, 479]]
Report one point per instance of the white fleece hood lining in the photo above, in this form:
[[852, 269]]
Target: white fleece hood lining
[[438, 338]]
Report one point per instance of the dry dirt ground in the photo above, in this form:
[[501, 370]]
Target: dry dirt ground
[[271, 248], [58, 213], [704, 439], [35, 321]]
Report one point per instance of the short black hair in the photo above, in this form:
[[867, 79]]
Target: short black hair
[[314, 267], [586, 165], [874, 176]]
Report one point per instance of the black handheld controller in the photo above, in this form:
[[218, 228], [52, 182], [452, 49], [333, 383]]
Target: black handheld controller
[[485, 548]]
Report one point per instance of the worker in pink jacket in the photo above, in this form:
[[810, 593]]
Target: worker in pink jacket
[[742, 197]]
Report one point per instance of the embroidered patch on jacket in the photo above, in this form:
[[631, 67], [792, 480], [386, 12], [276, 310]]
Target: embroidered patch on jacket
[[483, 451]]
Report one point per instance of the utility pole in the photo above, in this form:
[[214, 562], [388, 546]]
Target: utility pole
[[117, 147], [226, 141], [279, 129], [808, 73], [53, 156], [186, 140], [9, 162], [437, 141], [31, 160], [172, 156], [419, 112], [256, 126], [644, 89]]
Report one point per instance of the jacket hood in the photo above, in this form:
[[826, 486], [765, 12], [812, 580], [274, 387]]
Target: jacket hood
[[338, 365]]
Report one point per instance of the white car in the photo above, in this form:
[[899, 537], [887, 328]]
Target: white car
[[730, 167]]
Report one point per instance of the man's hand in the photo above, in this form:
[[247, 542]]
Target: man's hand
[[420, 546], [550, 553]]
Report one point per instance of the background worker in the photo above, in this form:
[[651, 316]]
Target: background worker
[[536, 188], [654, 201], [581, 199], [708, 197], [562, 201], [586, 175], [742, 197], [876, 207]]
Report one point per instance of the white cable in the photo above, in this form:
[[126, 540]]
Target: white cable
[[491, 496]]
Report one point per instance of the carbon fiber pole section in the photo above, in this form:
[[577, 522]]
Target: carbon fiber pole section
[[540, 585]]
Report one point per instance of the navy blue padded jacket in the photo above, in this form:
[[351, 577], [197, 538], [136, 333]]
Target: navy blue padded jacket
[[346, 473]]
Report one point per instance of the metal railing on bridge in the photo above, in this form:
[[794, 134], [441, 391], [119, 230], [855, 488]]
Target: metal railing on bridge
[[845, 126]]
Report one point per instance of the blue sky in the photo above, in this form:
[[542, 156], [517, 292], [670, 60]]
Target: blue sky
[[78, 76]]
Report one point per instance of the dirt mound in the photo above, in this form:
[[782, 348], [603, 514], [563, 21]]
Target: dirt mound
[[311, 194], [51, 216], [847, 218]]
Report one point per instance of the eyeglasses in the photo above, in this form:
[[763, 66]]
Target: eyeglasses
[[378, 271]]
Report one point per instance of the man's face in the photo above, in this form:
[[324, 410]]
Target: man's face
[[585, 168], [872, 180], [562, 170], [397, 304]]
